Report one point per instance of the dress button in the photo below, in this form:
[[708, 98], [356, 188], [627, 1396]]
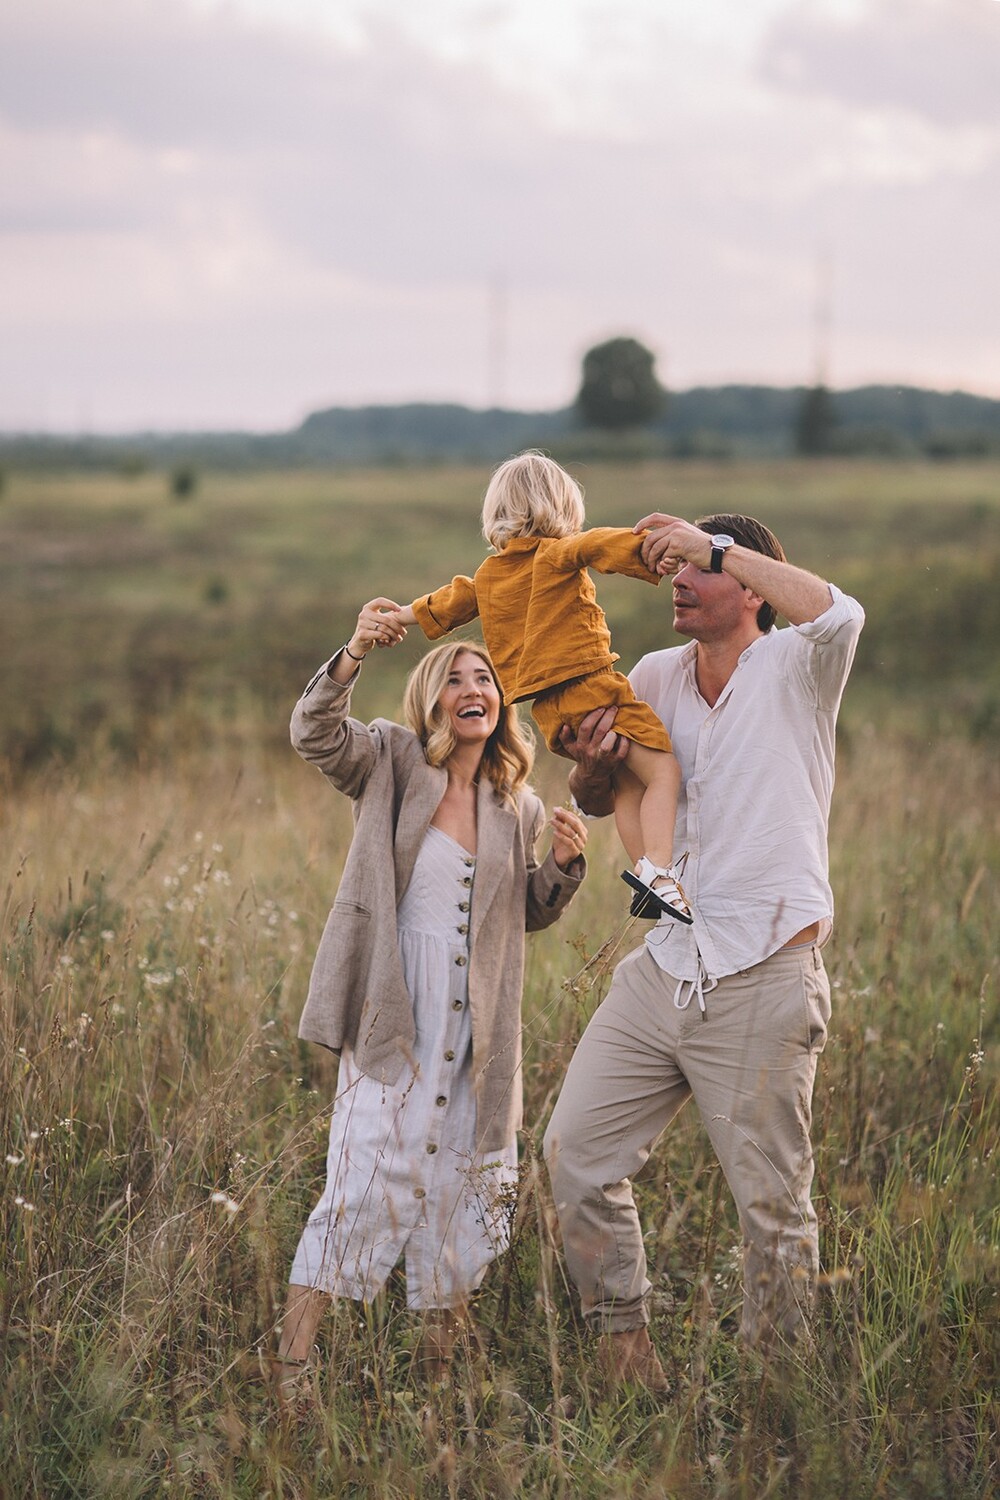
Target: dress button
[[466, 879], [419, 1193], [449, 1056], [431, 1148], [456, 1005], [470, 864], [441, 1100], [461, 960], [463, 906], [463, 929]]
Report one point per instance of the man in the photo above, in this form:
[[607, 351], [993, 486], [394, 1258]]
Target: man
[[732, 1010]]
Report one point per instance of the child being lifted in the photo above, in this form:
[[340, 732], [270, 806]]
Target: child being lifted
[[550, 642]]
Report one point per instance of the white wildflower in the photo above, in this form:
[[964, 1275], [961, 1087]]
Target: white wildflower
[[229, 1204]]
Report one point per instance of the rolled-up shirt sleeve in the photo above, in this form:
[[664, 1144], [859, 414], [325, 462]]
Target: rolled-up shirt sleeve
[[821, 651]]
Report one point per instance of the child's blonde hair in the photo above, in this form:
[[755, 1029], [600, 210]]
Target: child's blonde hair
[[530, 495]]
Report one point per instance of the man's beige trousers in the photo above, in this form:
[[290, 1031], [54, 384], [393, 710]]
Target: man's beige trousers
[[750, 1063]]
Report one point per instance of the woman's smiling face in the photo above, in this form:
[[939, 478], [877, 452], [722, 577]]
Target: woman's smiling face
[[471, 699]]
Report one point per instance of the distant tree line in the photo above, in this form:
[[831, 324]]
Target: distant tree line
[[621, 410]]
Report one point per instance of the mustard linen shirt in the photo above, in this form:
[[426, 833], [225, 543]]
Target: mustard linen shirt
[[541, 620]]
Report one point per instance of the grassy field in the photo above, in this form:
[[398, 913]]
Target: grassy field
[[166, 864]]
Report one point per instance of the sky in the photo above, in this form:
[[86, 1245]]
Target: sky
[[226, 214]]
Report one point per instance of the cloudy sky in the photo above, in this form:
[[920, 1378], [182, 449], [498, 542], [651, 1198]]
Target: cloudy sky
[[228, 213]]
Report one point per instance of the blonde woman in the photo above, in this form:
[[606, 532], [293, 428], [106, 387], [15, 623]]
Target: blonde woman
[[550, 641], [417, 984]]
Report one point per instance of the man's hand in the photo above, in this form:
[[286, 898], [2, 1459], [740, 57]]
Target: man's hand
[[595, 747], [672, 542], [598, 752]]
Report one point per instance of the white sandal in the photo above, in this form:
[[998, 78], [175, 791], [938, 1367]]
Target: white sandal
[[658, 891]]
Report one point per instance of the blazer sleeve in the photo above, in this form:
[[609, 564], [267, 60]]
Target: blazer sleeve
[[323, 734], [550, 889], [446, 608], [607, 549]]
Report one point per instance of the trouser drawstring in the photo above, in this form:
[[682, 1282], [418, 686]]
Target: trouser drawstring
[[700, 985]]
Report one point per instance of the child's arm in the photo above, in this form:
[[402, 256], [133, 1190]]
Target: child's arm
[[607, 549], [445, 609]]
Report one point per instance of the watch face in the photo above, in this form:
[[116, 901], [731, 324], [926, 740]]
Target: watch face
[[723, 541]]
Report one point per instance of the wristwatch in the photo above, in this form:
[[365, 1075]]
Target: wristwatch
[[720, 546]]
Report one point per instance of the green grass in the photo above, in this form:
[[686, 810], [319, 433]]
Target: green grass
[[165, 870], [137, 624]]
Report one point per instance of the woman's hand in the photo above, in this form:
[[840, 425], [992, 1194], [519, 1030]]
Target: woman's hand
[[378, 625], [569, 836]]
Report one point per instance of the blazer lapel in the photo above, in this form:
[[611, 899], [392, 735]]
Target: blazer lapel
[[495, 826], [425, 787]]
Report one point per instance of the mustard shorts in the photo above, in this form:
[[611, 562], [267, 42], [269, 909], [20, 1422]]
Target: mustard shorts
[[570, 701]]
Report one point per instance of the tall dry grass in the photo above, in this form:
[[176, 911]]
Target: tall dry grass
[[164, 1137]]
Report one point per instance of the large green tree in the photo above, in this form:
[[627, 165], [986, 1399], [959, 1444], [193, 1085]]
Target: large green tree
[[619, 388]]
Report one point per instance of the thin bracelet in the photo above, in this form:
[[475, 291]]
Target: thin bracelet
[[351, 653]]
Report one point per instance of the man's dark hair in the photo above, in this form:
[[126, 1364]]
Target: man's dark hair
[[756, 537]]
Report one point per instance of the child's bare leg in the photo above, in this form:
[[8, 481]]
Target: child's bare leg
[[659, 776], [629, 792]]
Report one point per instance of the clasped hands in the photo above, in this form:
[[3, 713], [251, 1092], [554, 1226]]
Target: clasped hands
[[378, 625]]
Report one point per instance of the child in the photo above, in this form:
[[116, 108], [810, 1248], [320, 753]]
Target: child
[[549, 641]]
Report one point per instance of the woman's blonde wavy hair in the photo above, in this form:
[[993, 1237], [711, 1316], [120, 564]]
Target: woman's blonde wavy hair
[[530, 495], [510, 750]]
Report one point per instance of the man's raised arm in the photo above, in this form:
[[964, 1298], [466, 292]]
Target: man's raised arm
[[792, 592]]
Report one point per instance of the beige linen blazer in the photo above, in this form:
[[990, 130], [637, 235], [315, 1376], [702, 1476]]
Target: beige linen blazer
[[357, 994]]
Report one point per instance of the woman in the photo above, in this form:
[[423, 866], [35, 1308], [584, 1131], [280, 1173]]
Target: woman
[[417, 985]]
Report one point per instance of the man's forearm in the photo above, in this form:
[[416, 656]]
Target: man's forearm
[[798, 595], [594, 793]]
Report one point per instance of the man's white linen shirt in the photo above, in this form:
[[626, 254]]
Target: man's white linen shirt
[[757, 775]]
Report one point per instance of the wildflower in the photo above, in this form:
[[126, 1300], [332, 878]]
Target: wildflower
[[29, 1208], [14, 1161], [108, 935], [157, 978], [229, 1204]]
